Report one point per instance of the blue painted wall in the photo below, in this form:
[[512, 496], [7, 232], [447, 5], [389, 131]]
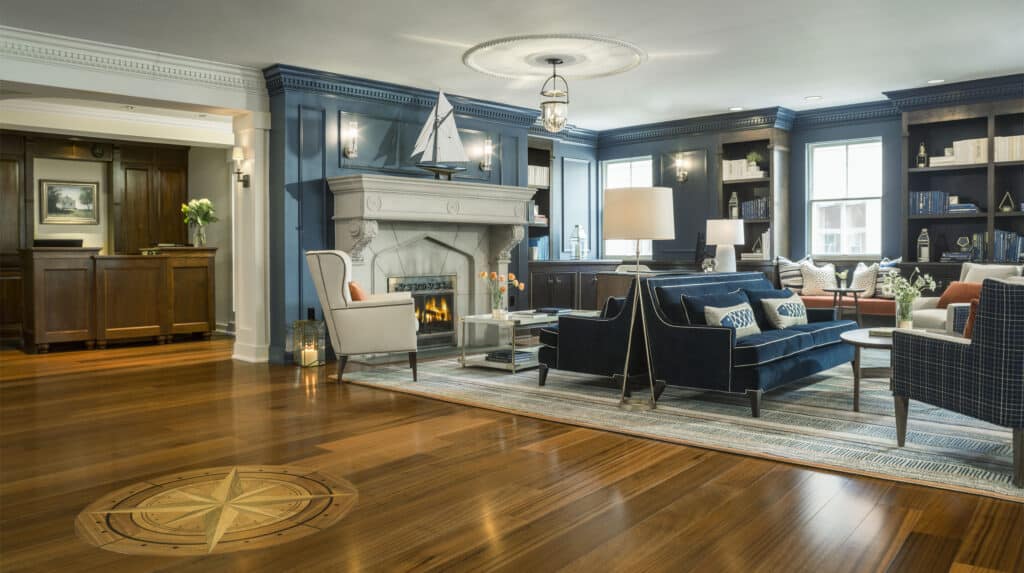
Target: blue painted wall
[[892, 183]]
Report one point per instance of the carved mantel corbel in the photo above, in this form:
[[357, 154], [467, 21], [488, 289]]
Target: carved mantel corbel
[[504, 238], [361, 233]]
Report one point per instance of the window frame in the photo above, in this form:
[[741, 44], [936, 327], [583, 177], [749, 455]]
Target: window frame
[[649, 256], [809, 199]]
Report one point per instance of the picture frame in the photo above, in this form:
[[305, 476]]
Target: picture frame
[[69, 202]]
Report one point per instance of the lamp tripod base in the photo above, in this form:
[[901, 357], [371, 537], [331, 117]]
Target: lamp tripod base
[[637, 404]]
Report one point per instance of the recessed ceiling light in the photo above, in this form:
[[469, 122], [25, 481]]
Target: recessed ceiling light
[[735, 108], [935, 81], [812, 98]]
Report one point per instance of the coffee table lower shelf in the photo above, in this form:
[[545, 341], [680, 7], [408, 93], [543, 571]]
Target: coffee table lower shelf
[[481, 361]]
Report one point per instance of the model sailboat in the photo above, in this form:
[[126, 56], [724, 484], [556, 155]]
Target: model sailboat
[[439, 141]]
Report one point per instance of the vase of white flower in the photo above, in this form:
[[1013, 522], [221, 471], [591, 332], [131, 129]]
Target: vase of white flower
[[198, 213], [905, 292]]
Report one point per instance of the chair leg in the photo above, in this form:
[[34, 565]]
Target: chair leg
[[1018, 457], [542, 374], [755, 402], [902, 408], [412, 364], [342, 361]]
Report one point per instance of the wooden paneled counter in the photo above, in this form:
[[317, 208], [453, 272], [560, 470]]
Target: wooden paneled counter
[[76, 295]]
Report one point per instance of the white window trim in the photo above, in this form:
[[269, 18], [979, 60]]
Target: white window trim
[[809, 197], [603, 178]]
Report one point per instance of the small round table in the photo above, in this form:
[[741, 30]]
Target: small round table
[[861, 338], [837, 299]]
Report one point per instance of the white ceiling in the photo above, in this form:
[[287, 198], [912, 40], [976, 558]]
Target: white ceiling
[[704, 55]]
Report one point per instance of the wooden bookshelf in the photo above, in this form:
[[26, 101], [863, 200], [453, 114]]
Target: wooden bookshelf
[[773, 145], [538, 154], [983, 184]]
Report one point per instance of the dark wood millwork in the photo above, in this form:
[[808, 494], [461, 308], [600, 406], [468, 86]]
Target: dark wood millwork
[[12, 175], [567, 284], [155, 183], [444, 487], [75, 295]]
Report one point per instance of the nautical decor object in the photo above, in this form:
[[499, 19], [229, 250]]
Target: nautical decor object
[[555, 109], [964, 243], [1006, 205], [734, 206], [922, 156], [580, 245], [923, 246], [439, 142]]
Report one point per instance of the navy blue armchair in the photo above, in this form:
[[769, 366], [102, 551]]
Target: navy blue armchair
[[981, 376], [711, 358]]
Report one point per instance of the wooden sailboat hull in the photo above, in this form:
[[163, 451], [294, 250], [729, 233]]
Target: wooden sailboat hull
[[439, 169]]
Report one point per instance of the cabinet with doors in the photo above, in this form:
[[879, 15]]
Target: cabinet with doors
[[567, 284]]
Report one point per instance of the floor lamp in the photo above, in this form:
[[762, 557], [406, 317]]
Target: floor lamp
[[724, 233], [638, 214]]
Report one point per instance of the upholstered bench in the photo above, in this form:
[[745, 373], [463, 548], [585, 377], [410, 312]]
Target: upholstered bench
[[873, 306]]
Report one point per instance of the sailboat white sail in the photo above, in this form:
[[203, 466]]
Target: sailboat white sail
[[439, 140]]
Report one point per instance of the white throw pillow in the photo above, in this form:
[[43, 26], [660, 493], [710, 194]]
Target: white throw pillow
[[789, 273], [739, 317], [865, 277], [883, 269], [817, 278], [976, 273], [785, 312]]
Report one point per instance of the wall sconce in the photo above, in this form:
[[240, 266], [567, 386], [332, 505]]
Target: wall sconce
[[238, 156], [488, 153], [350, 140], [682, 172]]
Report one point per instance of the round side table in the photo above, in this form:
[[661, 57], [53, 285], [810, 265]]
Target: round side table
[[837, 299], [861, 338]]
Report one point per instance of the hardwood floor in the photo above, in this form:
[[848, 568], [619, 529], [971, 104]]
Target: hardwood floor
[[443, 487]]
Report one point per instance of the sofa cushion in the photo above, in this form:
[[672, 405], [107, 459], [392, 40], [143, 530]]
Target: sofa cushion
[[694, 305], [789, 272], [785, 312], [978, 272], [873, 306], [613, 306], [930, 318], [756, 296], [817, 278], [827, 332], [739, 317], [769, 345], [865, 277], [668, 288], [959, 292], [969, 329], [549, 335]]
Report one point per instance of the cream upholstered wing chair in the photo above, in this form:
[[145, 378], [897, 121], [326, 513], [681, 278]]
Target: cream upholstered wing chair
[[382, 323], [953, 318]]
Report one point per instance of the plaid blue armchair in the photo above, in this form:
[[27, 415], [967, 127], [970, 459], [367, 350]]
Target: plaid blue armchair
[[981, 376]]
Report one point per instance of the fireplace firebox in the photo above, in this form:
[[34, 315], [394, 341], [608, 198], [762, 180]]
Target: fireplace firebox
[[434, 298]]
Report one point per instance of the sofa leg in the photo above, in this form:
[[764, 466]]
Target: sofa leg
[[1018, 457], [342, 361], [902, 409], [412, 364], [542, 374], [755, 402]]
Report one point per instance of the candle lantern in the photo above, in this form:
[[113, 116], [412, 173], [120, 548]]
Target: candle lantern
[[308, 342]]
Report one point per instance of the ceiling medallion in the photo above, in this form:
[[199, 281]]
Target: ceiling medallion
[[583, 56], [216, 510]]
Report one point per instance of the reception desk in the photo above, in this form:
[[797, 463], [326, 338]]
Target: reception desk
[[77, 295]]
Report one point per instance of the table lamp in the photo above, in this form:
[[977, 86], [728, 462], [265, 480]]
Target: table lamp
[[638, 214], [724, 233]]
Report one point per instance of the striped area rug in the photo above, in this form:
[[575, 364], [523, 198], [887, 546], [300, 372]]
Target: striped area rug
[[810, 423]]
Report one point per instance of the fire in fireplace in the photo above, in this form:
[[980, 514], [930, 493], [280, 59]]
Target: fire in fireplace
[[434, 298]]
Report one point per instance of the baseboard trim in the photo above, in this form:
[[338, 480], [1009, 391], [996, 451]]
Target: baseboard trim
[[250, 353]]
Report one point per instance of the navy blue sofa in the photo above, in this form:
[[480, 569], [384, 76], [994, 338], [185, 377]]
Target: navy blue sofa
[[711, 358]]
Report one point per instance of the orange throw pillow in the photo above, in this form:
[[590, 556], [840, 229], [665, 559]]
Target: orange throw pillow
[[969, 328], [356, 291], [959, 292]]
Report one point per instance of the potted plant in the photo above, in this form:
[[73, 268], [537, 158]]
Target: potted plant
[[754, 159], [906, 291], [198, 214], [497, 287]]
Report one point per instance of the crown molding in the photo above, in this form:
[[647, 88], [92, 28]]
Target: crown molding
[[858, 112], [222, 124], [571, 134], [282, 78], [776, 117], [28, 45], [959, 93]]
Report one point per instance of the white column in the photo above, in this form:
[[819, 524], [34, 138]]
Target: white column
[[251, 232]]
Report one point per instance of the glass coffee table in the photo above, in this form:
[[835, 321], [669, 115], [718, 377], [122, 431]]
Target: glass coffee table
[[518, 358]]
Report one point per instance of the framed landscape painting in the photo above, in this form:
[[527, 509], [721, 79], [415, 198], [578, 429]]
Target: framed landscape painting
[[68, 203]]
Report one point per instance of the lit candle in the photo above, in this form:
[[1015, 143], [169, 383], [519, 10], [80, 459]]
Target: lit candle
[[309, 356]]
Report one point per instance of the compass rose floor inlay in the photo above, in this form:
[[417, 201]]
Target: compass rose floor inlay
[[216, 510]]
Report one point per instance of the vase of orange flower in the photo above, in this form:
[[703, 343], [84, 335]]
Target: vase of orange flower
[[498, 287]]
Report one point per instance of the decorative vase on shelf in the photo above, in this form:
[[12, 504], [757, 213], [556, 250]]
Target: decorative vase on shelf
[[904, 313], [199, 236], [499, 314]]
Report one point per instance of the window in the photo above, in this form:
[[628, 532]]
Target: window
[[636, 172], [844, 198]]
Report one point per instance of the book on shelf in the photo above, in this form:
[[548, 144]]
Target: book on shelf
[[881, 332], [754, 209], [1009, 148], [1007, 246], [740, 169], [504, 356], [929, 202], [965, 152], [537, 175]]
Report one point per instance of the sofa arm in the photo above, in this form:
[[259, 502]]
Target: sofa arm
[[821, 314], [693, 356], [957, 314], [595, 345], [372, 328], [927, 365], [925, 302]]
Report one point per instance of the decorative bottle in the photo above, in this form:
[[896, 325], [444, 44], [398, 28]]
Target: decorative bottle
[[734, 206], [922, 156]]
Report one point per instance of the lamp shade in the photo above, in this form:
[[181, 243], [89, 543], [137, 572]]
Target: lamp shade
[[639, 213], [237, 154], [725, 232]]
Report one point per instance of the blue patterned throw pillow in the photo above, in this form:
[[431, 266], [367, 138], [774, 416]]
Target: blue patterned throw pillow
[[785, 312], [739, 317]]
